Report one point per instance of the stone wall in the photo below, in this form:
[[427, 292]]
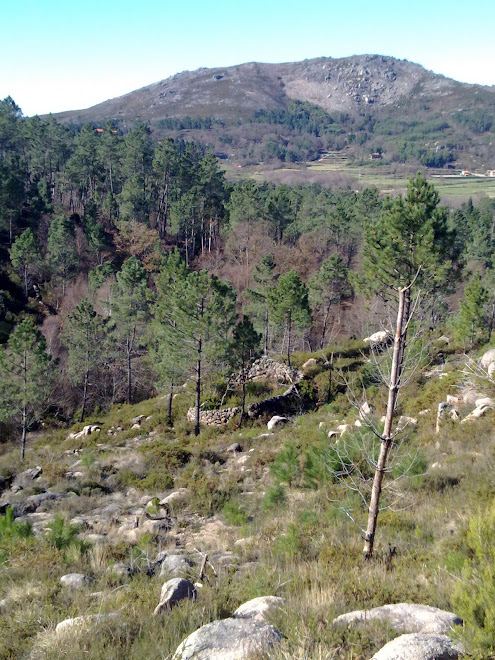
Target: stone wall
[[213, 417]]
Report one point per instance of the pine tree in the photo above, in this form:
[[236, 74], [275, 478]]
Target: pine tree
[[264, 279], [327, 288], [471, 318], [25, 257], [26, 378], [289, 307], [129, 308], [243, 350], [84, 337], [166, 353], [405, 250], [62, 255], [199, 318]]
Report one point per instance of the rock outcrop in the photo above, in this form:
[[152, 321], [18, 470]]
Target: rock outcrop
[[420, 647], [258, 608], [173, 592], [229, 639], [405, 617]]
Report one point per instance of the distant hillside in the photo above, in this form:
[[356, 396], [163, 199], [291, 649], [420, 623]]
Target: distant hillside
[[296, 111]]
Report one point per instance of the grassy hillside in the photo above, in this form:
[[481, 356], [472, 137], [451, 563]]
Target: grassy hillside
[[271, 513]]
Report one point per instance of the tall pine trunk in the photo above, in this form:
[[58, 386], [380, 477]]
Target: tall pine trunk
[[85, 396], [198, 387], [24, 432], [170, 399], [289, 330], [386, 438]]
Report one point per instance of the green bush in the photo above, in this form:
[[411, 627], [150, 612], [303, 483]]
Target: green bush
[[11, 528], [234, 514], [286, 468], [474, 597], [64, 536], [274, 496]]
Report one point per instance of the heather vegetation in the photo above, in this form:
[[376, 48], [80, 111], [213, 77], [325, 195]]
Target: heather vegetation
[[141, 292]]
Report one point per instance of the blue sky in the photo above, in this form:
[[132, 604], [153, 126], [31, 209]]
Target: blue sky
[[62, 55]]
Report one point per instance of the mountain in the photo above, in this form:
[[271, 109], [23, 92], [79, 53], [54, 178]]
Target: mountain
[[357, 94]]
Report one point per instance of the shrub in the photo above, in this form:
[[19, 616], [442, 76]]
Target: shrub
[[63, 535], [274, 496], [234, 514], [285, 468], [474, 597], [11, 528]]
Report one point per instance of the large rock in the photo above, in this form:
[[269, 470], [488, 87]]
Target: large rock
[[406, 617], [276, 420], [380, 338], [487, 358], [478, 412], [75, 580], [177, 497], [82, 622], [177, 565], [230, 639], [309, 364], [24, 479], [173, 592], [258, 608], [288, 403], [420, 647], [91, 429]]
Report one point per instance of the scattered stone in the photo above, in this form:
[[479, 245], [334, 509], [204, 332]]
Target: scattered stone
[[491, 370], [404, 421], [442, 340], [423, 412], [445, 408], [177, 565], [276, 420], [380, 338], [177, 497], [173, 592], [418, 646], [365, 410], [344, 428], [258, 608], [137, 420], [24, 479], [75, 580], [406, 617], [119, 568], [310, 363], [229, 639], [485, 401], [358, 423], [80, 622], [454, 400], [487, 358], [478, 412], [91, 429], [234, 448]]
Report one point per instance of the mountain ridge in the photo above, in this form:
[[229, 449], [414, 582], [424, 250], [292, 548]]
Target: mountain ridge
[[349, 83], [295, 111]]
